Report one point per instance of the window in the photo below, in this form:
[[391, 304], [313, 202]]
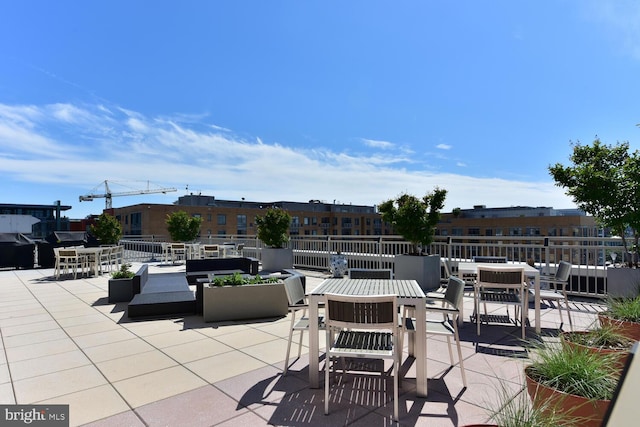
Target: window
[[456, 231], [222, 219], [242, 224], [533, 231], [515, 231]]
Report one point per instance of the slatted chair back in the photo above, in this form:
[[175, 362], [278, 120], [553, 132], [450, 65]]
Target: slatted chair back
[[370, 273], [563, 272], [359, 312], [295, 291], [454, 293], [500, 277]]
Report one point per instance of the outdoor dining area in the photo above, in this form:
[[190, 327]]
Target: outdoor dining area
[[85, 261], [175, 252], [378, 349]]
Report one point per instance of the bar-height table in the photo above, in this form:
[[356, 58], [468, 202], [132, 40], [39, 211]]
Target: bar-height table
[[408, 293], [529, 271]]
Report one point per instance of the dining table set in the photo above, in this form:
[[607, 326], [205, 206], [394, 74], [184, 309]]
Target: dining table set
[[408, 294], [87, 260]]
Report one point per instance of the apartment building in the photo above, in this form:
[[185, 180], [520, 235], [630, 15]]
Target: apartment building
[[237, 217]]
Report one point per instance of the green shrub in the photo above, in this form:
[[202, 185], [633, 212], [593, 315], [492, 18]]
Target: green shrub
[[574, 370], [123, 273], [237, 279], [624, 308], [273, 227]]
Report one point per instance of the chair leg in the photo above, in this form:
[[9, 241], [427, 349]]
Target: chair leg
[[569, 315], [286, 360], [457, 338], [395, 389]]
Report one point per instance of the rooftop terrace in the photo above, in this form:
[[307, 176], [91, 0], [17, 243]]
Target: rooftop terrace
[[63, 343]]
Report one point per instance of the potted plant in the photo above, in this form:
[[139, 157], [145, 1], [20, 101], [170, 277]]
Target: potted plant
[[601, 340], [624, 314], [121, 286], [572, 381], [237, 296], [603, 182], [273, 231], [416, 219]]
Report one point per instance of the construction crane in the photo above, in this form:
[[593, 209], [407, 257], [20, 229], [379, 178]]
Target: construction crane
[[108, 195]]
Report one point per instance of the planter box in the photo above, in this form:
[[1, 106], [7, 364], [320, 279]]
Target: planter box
[[121, 290], [276, 259], [623, 282], [244, 302], [424, 269]]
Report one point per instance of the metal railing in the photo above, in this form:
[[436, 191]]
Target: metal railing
[[588, 255]]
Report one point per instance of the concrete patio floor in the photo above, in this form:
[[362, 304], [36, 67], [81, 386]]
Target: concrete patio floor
[[63, 343]]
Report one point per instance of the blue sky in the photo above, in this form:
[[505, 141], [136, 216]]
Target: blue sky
[[354, 101]]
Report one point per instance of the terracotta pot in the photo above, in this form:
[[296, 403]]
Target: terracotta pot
[[620, 355], [628, 329], [589, 412]]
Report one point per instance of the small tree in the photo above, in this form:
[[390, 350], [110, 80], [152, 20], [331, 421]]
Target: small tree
[[182, 227], [107, 229], [273, 227], [415, 219], [604, 181]]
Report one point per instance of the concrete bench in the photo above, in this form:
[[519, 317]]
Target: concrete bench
[[160, 295]]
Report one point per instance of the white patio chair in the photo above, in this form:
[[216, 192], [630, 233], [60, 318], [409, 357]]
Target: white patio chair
[[70, 261], [362, 327], [178, 252], [449, 305], [557, 291], [210, 251], [501, 285], [297, 302]]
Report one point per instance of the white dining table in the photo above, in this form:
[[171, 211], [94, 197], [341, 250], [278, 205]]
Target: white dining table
[[93, 257], [529, 271], [408, 292]]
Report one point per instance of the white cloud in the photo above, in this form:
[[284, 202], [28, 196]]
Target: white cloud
[[134, 148], [444, 146], [384, 145]]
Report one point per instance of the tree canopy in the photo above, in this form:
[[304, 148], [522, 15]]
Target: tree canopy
[[413, 218], [604, 181], [182, 227], [107, 229], [273, 227]]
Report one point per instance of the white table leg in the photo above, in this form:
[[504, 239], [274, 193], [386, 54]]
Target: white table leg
[[314, 345], [420, 348]]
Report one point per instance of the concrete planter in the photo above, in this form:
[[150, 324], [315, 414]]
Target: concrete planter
[[244, 302], [623, 282], [277, 259], [424, 269]]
